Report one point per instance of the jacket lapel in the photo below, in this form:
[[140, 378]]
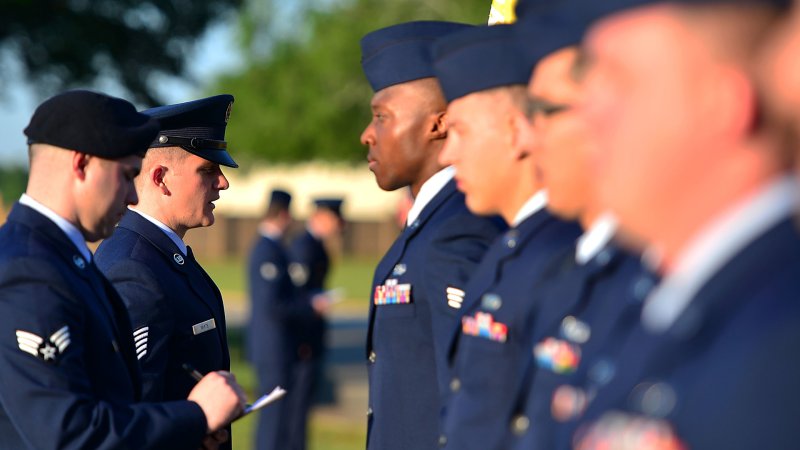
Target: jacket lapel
[[396, 251], [196, 277], [398, 248]]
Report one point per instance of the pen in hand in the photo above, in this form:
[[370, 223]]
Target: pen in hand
[[192, 371]]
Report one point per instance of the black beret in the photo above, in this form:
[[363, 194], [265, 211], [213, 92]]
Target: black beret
[[280, 197], [197, 126], [477, 59], [402, 53], [332, 204], [92, 123]]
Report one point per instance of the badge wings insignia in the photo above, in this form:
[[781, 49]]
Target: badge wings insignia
[[47, 349]]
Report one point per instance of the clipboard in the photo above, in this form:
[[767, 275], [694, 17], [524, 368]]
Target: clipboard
[[263, 401]]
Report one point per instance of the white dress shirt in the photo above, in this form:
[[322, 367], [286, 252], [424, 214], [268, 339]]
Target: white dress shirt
[[167, 230], [595, 238], [69, 229], [429, 189], [534, 204]]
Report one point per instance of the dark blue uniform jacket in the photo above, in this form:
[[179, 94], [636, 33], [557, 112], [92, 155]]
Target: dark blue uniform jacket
[[272, 341], [175, 308], [725, 374], [308, 266], [69, 373], [275, 305], [585, 306], [410, 329], [503, 294]]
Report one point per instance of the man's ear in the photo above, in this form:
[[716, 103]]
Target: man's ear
[[438, 129], [520, 135], [729, 105], [79, 163], [157, 176]]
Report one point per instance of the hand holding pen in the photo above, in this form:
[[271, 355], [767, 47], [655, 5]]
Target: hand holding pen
[[262, 401], [218, 395]]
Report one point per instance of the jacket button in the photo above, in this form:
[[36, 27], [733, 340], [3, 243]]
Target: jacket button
[[455, 385], [372, 357], [369, 411], [442, 440], [520, 424]]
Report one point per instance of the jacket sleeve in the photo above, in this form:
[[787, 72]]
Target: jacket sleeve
[[54, 404], [152, 321], [455, 251]]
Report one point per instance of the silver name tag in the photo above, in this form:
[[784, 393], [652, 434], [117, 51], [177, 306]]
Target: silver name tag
[[202, 327]]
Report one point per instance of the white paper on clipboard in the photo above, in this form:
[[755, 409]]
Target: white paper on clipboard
[[265, 400]]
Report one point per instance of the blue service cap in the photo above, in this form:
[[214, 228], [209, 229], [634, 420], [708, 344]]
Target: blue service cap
[[527, 8], [567, 17], [280, 197], [545, 26], [402, 53], [332, 204], [604, 8], [477, 59], [542, 28], [197, 126], [92, 123]]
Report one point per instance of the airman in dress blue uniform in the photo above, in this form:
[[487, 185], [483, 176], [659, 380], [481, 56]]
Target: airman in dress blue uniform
[[70, 376], [706, 367], [418, 288], [176, 309], [483, 78], [309, 265], [591, 293], [271, 346]]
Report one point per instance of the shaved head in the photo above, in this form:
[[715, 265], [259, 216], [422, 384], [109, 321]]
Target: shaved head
[[159, 155]]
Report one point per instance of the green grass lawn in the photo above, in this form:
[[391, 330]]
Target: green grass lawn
[[353, 276], [326, 431]]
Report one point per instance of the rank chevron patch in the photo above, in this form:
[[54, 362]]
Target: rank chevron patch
[[455, 297], [140, 341], [46, 350]]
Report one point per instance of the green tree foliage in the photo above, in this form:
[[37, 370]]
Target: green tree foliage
[[12, 183], [308, 98], [63, 43]]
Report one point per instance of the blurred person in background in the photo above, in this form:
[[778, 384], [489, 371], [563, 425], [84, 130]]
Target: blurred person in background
[[274, 304], [309, 267]]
